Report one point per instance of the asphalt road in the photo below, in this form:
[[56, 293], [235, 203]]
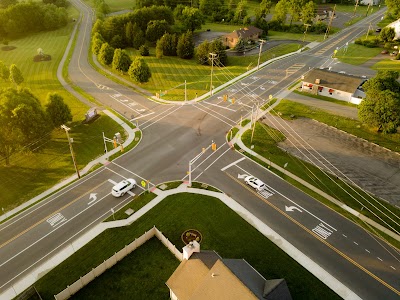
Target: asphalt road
[[175, 134]]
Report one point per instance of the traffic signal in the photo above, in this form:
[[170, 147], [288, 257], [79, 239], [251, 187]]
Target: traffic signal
[[214, 146], [122, 148], [233, 100], [115, 142], [225, 97]]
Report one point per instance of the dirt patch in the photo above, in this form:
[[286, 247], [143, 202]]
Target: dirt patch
[[370, 166]]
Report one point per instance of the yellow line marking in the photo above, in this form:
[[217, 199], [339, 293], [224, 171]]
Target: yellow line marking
[[45, 218], [319, 238]]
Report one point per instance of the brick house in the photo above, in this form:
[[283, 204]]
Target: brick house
[[249, 33]]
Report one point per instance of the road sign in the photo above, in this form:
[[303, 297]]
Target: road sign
[[270, 97], [143, 183]]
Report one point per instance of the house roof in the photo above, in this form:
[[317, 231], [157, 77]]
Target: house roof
[[244, 32], [207, 276], [333, 80]]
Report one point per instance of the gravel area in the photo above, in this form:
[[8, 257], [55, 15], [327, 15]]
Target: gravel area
[[375, 169]]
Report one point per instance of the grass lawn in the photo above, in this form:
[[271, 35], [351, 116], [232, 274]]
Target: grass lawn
[[169, 73], [387, 64], [118, 5], [219, 226], [357, 54], [133, 277], [325, 98], [31, 173]]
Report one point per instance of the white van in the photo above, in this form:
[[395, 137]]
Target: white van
[[122, 187]]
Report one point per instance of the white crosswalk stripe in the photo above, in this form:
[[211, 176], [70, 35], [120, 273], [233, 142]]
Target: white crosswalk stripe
[[56, 219]]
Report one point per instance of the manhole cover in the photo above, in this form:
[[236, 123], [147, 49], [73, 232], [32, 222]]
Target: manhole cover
[[191, 235]]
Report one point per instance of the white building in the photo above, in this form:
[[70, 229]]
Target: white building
[[335, 85], [370, 2], [396, 26]]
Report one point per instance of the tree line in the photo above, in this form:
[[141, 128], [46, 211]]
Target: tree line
[[22, 117], [21, 19]]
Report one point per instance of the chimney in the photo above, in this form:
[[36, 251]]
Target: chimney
[[317, 81], [190, 248]]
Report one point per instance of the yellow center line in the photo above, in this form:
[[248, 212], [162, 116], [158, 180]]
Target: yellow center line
[[319, 238], [45, 218]]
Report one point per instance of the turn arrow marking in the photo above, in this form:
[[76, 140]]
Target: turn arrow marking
[[92, 197], [292, 208]]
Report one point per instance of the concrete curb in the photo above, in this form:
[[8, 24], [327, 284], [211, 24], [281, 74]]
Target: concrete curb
[[39, 271], [102, 159], [238, 141]]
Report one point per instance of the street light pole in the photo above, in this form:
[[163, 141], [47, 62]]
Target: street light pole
[[259, 53], [70, 148], [213, 55]]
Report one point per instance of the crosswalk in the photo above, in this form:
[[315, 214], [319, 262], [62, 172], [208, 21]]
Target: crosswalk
[[56, 220], [293, 69], [265, 193]]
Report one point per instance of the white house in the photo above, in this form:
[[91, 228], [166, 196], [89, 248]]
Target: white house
[[396, 26], [370, 2], [335, 85]]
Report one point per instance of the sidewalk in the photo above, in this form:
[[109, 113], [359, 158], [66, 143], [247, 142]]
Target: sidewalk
[[38, 272], [102, 160], [237, 140]]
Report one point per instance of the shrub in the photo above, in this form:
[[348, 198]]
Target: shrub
[[144, 50]]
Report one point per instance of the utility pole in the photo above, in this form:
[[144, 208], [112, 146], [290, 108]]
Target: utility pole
[[366, 14], [105, 145], [213, 56], [369, 28], [70, 148], [355, 8], [259, 53], [305, 32], [330, 23], [185, 91]]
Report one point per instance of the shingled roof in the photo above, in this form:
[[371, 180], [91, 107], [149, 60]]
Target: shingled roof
[[333, 80], [207, 276], [244, 33]]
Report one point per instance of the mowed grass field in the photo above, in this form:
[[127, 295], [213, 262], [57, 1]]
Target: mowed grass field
[[31, 173], [222, 230], [169, 73]]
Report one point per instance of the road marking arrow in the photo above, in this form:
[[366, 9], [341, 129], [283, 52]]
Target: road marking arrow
[[292, 208], [242, 176], [92, 197]]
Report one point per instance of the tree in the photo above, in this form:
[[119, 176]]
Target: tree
[[308, 12], [168, 44], [381, 106], [106, 54], [294, 8], [393, 8], [16, 76], [263, 9], [156, 29], [240, 12], [117, 42], [129, 33], [22, 120], [382, 110], [139, 70], [387, 34], [202, 52], [144, 50], [280, 11], [7, 3], [240, 45], [191, 18], [121, 60], [138, 38], [185, 48], [97, 42], [59, 113], [159, 49], [4, 71]]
